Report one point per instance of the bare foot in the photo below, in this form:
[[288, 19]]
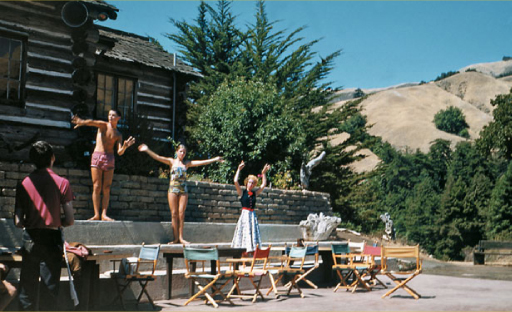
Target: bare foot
[[105, 218], [184, 242], [173, 242], [95, 218]]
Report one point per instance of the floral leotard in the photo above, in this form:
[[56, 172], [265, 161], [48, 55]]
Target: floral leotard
[[178, 183]]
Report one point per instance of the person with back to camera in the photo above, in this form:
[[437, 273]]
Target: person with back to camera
[[39, 200], [247, 231], [103, 159], [178, 193]]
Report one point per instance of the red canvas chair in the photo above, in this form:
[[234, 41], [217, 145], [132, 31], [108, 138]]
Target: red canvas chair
[[255, 269], [372, 253]]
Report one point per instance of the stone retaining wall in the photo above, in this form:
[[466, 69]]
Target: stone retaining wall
[[138, 198]]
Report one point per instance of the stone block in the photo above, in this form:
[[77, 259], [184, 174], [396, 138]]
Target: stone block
[[78, 173], [9, 192], [27, 168], [8, 166], [15, 175]]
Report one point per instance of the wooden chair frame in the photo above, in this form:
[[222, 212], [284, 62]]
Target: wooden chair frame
[[291, 270], [401, 253], [202, 276], [342, 264], [257, 268], [148, 256], [312, 250]]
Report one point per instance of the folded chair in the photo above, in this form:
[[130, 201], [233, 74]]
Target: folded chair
[[406, 261], [292, 269], [343, 264], [251, 268], [131, 270], [202, 276]]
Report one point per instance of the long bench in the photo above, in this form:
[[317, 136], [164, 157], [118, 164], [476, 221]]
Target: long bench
[[491, 248]]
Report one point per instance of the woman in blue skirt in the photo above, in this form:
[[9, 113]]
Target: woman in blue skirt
[[247, 231]]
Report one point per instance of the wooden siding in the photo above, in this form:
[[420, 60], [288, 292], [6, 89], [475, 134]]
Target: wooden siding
[[59, 60]]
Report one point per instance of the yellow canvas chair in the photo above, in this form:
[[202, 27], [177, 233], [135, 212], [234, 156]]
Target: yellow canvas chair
[[406, 261]]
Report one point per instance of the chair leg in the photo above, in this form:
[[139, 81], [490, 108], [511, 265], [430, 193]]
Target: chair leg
[[402, 285], [257, 288], [202, 290], [273, 283], [303, 277], [143, 290], [120, 290]]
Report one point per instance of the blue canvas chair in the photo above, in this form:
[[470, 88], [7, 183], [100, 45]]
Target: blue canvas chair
[[292, 269], [131, 270], [342, 264]]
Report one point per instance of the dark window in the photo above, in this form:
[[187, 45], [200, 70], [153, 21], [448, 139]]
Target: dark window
[[11, 70], [114, 92]]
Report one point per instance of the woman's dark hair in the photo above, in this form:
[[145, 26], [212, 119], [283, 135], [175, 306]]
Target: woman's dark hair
[[41, 154]]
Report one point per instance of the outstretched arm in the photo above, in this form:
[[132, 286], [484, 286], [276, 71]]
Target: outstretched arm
[[78, 122], [263, 179], [196, 163], [237, 175], [127, 143], [155, 156]]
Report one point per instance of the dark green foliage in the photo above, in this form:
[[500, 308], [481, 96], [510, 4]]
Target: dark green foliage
[[499, 216], [135, 162], [446, 75], [496, 137], [279, 61], [452, 120], [359, 93], [247, 120]]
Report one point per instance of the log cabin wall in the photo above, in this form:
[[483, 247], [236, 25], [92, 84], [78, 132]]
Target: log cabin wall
[[44, 110], [61, 67]]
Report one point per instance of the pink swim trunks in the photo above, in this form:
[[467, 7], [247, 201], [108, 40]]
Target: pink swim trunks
[[103, 161]]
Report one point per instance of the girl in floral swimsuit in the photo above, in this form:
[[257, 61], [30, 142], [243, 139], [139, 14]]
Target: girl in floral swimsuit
[[177, 194], [247, 231]]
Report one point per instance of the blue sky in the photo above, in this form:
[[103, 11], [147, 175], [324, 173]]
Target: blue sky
[[383, 43]]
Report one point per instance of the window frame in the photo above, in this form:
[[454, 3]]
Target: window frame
[[23, 38], [116, 77]]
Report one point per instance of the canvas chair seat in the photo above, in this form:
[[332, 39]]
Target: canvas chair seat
[[295, 255], [130, 270], [251, 268], [342, 264], [203, 277], [407, 262]]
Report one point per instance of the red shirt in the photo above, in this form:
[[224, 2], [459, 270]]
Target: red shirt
[[40, 197]]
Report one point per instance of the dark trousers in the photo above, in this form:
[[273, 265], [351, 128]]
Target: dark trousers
[[42, 257]]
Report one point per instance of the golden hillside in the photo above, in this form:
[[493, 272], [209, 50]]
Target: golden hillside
[[403, 115]]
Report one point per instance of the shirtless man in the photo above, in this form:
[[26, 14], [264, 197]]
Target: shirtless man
[[108, 138]]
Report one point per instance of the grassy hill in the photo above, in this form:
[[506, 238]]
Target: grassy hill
[[403, 115]]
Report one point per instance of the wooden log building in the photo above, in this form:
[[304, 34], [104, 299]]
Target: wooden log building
[[56, 60]]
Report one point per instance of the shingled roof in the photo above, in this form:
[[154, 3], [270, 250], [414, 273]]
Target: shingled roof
[[130, 47]]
